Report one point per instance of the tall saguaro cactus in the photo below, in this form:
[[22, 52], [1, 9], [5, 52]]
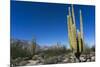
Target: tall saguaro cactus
[[75, 37]]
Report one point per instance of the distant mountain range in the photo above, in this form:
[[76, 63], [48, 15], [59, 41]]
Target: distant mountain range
[[28, 44]]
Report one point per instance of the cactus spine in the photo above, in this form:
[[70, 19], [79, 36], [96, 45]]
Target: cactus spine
[[75, 38]]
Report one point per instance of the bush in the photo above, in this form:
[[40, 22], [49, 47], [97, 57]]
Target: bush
[[93, 48], [18, 51]]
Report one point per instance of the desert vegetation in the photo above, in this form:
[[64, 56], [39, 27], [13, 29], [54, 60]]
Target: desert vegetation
[[28, 53], [25, 53]]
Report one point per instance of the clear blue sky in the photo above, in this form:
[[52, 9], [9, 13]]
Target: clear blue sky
[[48, 22]]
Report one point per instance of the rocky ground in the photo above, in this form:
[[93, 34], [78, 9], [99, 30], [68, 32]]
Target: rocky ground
[[67, 58]]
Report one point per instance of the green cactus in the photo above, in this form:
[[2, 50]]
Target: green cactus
[[75, 38]]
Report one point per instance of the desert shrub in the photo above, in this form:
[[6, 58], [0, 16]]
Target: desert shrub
[[54, 52], [18, 51], [93, 48], [87, 49]]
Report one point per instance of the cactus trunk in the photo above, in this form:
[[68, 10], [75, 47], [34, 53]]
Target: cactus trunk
[[75, 38]]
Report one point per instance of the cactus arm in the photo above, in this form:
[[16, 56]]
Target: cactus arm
[[69, 23], [69, 30], [81, 29], [81, 24], [74, 38], [73, 16], [79, 42]]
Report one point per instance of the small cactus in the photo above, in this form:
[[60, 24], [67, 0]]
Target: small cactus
[[33, 45], [75, 38]]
